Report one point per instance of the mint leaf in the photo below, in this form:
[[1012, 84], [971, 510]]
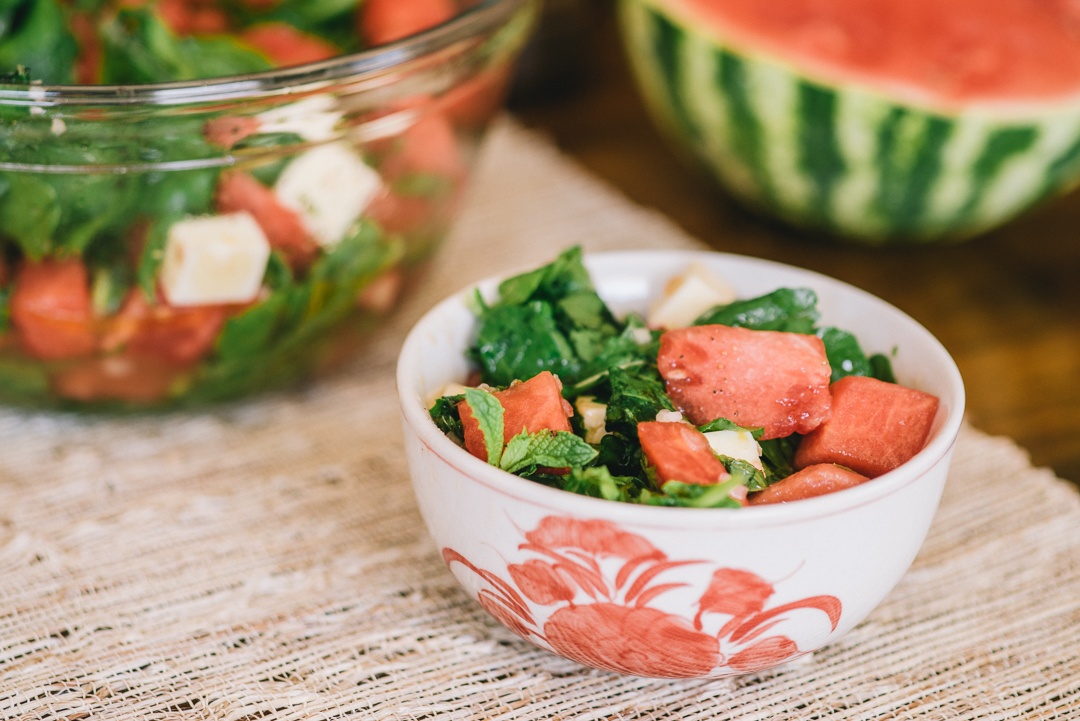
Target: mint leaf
[[489, 414], [552, 449]]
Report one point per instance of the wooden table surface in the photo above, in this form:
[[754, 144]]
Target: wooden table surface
[[1006, 305]]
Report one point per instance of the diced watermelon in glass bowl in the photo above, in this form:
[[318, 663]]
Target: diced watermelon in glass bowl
[[702, 548], [875, 121], [203, 199]]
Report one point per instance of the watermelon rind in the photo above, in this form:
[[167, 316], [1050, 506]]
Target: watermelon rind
[[844, 157]]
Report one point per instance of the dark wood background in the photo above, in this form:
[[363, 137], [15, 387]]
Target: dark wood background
[[1006, 305]]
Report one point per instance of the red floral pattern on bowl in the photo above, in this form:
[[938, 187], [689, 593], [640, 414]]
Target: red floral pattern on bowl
[[596, 582]]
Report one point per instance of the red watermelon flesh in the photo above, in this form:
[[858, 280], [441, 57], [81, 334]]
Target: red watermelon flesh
[[875, 426], [531, 406], [680, 452], [816, 480], [756, 378], [945, 54]]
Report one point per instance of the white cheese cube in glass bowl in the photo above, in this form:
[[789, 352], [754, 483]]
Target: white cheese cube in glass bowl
[[329, 186], [214, 259]]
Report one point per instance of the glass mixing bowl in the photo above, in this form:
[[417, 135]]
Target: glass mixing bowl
[[180, 243]]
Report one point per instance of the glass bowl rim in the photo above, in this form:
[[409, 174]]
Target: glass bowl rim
[[482, 17]]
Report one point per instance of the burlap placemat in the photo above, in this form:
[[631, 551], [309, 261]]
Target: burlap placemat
[[266, 560]]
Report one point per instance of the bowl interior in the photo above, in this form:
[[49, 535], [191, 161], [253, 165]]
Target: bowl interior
[[433, 356]]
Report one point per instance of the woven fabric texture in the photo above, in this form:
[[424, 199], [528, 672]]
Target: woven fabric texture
[[265, 560]]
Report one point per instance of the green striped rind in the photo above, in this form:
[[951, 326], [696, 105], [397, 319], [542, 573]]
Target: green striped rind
[[844, 159]]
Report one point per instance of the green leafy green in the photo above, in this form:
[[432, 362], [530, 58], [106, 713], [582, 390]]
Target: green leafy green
[[723, 424], [636, 397], [846, 357], [139, 48], [5, 309], [551, 318], [881, 368], [446, 415], [777, 456], [598, 482], [331, 20], [29, 213], [694, 495], [787, 309], [518, 341], [35, 41]]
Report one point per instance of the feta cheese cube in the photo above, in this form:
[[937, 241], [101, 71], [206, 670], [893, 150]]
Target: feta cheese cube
[[665, 416], [214, 259], [329, 186], [736, 444], [687, 296], [314, 119], [593, 418]]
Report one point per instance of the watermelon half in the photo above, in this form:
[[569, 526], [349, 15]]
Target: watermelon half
[[877, 120]]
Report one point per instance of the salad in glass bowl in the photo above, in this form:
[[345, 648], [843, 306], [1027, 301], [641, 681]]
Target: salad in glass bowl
[[200, 199]]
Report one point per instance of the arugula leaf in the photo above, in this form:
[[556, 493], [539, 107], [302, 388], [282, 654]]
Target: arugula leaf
[[139, 48], [846, 357], [551, 449], [153, 253], [515, 342], [881, 368], [564, 276], [29, 213], [331, 20], [636, 397], [246, 334], [745, 473], [625, 350], [723, 424], [778, 457], [787, 309], [620, 452], [5, 308], [489, 414], [34, 39], [599, 482], [446, 415], [552, 319], [694, 495], [108, 286]]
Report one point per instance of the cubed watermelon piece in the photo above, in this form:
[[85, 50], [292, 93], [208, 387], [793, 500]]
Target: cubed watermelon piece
[[815, 480], [773, 380], [875, 426], [51, 309], [680, 452], [530, 406]]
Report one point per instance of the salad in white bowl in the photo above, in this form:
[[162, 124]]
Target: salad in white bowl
[[601, 542]]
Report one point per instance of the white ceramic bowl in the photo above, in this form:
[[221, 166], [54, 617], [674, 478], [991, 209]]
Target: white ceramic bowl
[[676, 592]]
